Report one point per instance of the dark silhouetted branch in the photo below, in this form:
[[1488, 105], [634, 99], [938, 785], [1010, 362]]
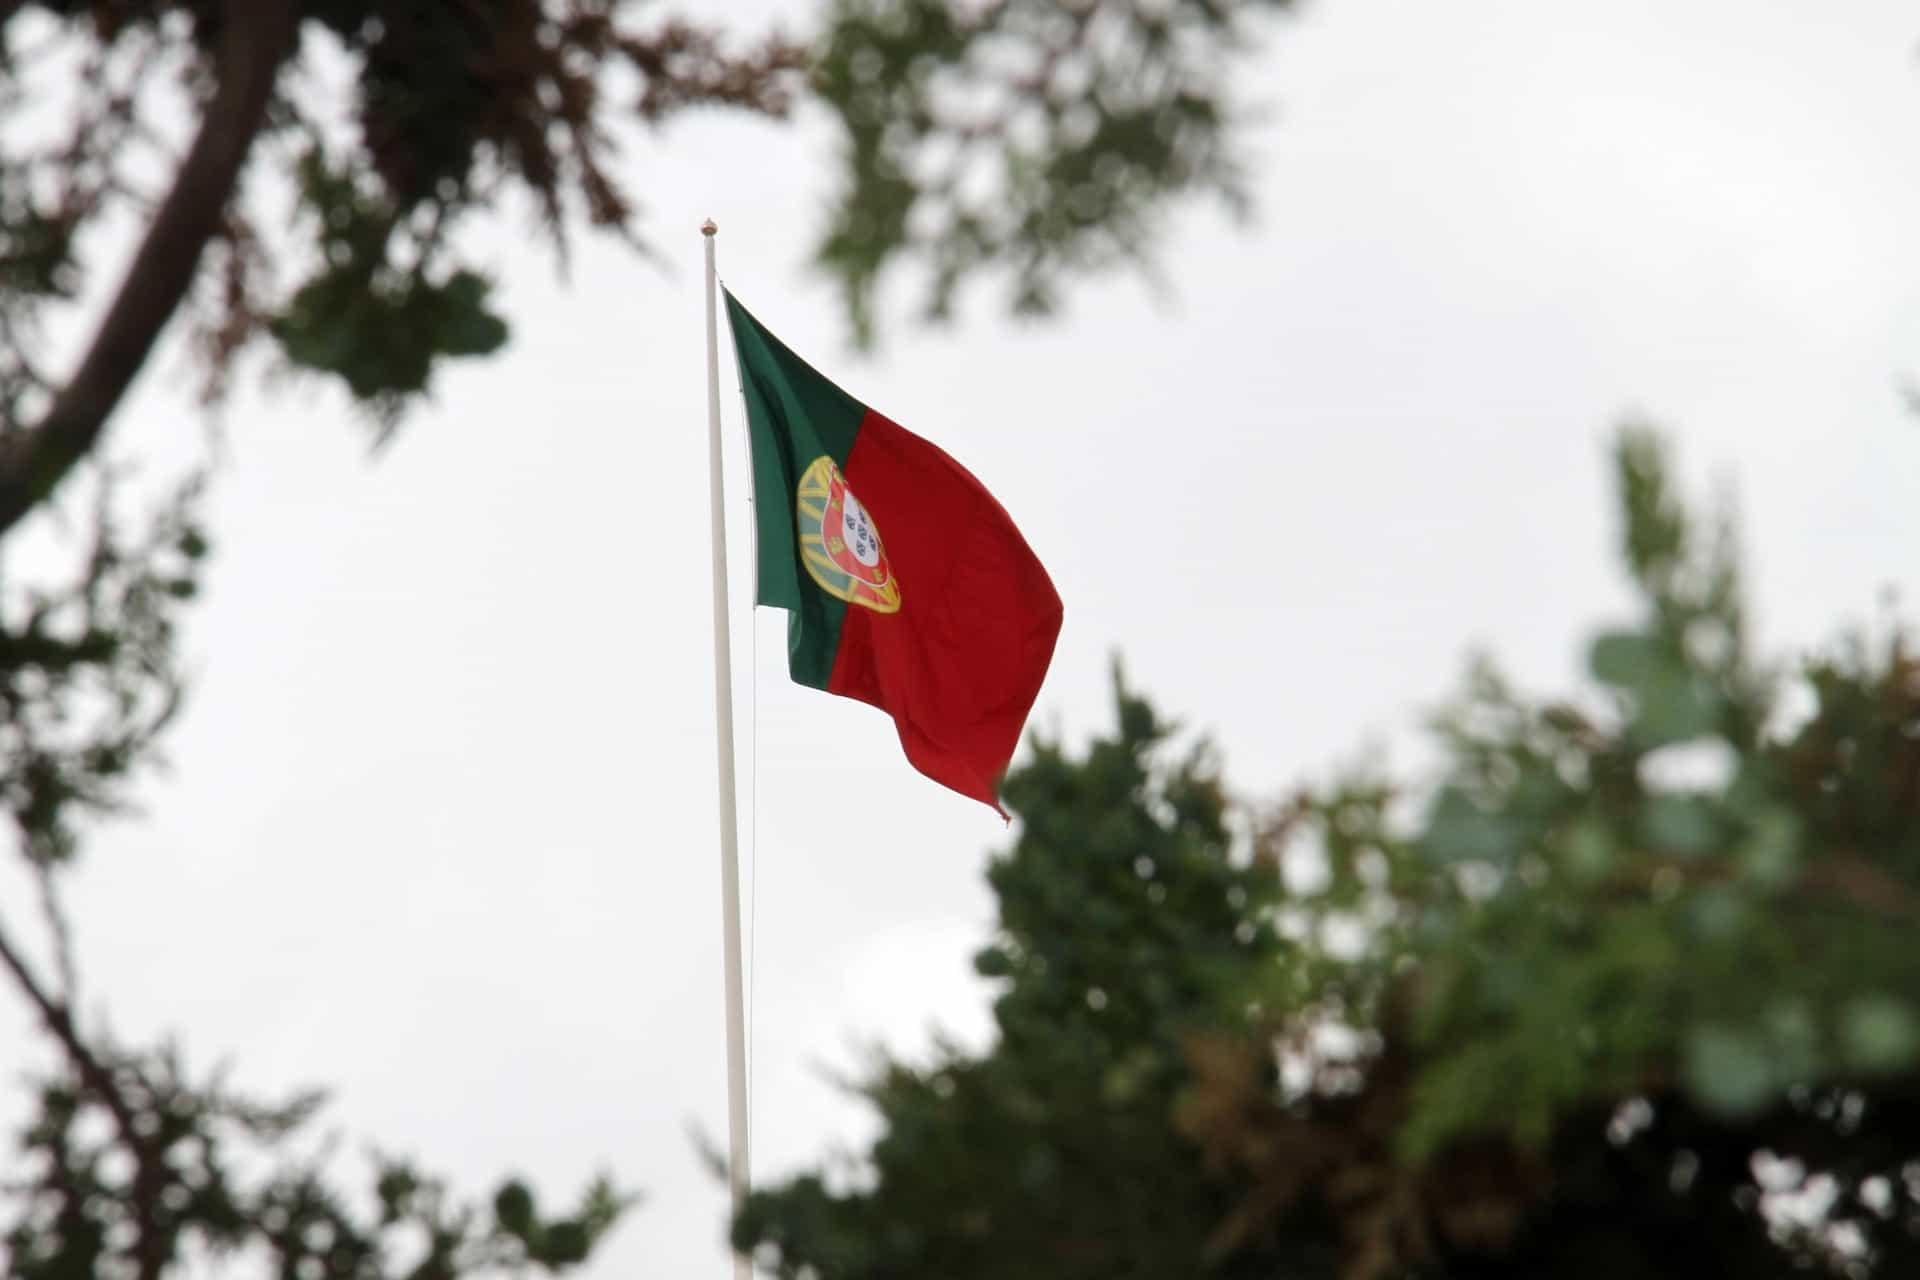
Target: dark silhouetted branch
[[257, 36]]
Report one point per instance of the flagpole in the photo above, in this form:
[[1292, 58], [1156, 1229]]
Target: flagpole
[[723, 736]]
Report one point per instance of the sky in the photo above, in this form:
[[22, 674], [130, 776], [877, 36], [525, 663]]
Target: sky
[[439, 829]]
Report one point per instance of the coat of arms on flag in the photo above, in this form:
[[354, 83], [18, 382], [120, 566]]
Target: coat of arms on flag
[[838, 541]]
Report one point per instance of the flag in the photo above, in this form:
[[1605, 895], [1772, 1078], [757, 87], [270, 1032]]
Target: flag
[[905, 582]]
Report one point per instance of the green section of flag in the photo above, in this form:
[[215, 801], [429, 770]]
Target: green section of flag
[[793, 416]]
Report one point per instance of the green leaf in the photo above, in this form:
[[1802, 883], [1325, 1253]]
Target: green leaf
[[1794, 1037], [1679, 824], [1625, 659], [513, 1208], [1673, 705], [1879, 1033], [1460, 830], [1589, 850], [567, 1244], [992, 962], [1671, 702], [1729, 1070], [1718, 912], [470, 329], [1771, 851]]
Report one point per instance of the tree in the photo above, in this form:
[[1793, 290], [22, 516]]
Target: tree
[[1628, 991], [1091, 118], [1124, 924]]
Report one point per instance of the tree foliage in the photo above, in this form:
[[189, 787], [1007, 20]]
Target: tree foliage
[[1043, 137], [1123, 925], [1628, 989], [314, 210]]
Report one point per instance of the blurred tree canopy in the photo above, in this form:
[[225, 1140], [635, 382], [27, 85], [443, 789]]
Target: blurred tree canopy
[[293, 179], [1629, 990]]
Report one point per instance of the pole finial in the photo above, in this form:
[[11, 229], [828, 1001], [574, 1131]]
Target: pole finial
[[708, 227]]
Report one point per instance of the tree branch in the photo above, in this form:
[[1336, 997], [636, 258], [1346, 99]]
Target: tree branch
[[58, 930], [1863, 884], [151, 1248], [59, 1021], [256, 36]]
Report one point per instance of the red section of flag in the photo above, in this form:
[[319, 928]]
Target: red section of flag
[[959, 665]]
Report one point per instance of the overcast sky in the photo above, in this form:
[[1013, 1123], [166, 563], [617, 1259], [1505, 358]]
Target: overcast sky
[[440, 831]]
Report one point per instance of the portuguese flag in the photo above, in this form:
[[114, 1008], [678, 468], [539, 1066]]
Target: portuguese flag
[[906, 584]]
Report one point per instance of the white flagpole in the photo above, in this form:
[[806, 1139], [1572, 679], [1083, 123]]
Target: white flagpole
[[723, 735]]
